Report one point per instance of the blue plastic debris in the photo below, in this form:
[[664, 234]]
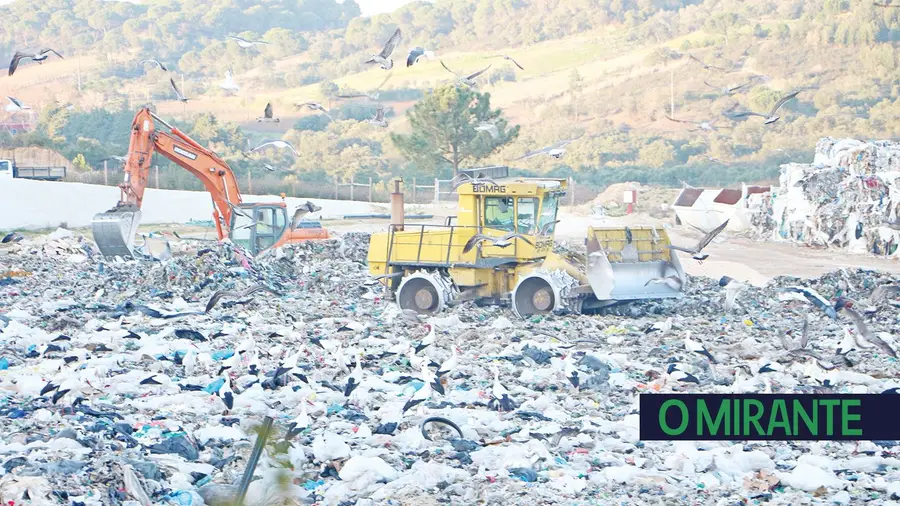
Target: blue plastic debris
[[214, 386], [312, 485], [4, 364], [222, 355], [523, 473], [16, 414]]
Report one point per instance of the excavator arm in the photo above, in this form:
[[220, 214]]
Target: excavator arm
[[115, 230]]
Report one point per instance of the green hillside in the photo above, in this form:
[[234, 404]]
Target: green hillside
[[611, 69]]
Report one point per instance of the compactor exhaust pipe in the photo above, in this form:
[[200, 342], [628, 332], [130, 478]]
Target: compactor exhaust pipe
[[397, 211]]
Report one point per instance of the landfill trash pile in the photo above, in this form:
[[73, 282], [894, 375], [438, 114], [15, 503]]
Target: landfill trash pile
[[123, 384], [848, 198]]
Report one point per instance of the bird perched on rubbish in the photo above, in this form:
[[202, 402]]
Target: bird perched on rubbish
[[468, 80], [674, 373], [40, 57], [695, 347], [673, 282], [732, 289], [846, 306], [383, 59], [300, 423], [267, 116], [354, 379], [500, 398], [423, 394], [813, 297], [570, 371], [503, 241], [661, 327], [450, 364], [704, 242], [771, 117], [428, 340]]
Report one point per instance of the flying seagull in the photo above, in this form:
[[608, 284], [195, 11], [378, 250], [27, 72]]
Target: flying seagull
[[314, 106], [508, 58], [503, 241], [219, 295], [415, 54], [771, 117], [229, 84], [545, 228], [490, 128], [876, 4], [556, 150], [378, 119], [862, 329], [728, 90], [178, 93], [267, 116], [15, 105], [706, 126], [384, 57], [705, 66], [276, 143], [372, 95], [704, 242], [157, 63], [814, 298], [673, 282], [468, 80], [41, 55], [244, 43], [463, 178]]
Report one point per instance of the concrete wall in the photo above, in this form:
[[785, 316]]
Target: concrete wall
[[32, 205]]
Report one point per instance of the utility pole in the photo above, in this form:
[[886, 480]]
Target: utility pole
[[672, 93], [184, 91]]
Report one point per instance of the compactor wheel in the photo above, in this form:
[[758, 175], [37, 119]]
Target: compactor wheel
[[534, 296], [420, 295]]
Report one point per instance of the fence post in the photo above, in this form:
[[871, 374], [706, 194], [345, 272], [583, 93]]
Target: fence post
[[437, 191], [156, 173], [337, 187], [249, 183], [294, 190], [106, 172], [351, 189], [414, 191], [370, 188]]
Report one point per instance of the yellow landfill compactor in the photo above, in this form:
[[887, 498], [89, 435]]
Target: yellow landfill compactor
[[425, 269]]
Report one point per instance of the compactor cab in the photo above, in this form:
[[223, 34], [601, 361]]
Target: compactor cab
[[427, 267]]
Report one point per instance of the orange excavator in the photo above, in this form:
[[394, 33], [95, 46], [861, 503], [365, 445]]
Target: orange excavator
[[256, 227]]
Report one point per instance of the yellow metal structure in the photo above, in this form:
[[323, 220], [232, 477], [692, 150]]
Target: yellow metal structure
[[426, 269]]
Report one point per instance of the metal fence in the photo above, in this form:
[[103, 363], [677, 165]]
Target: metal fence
[[416, 190]]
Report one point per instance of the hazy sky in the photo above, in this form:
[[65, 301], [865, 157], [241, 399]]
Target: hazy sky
[[370, 7]]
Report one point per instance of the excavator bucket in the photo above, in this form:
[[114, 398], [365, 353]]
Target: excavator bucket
[[115, 230], [632, 263]]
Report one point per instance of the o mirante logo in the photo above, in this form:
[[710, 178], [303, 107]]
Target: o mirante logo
[[772, 417]]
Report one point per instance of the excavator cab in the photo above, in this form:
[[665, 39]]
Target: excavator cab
[[258, 227]]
